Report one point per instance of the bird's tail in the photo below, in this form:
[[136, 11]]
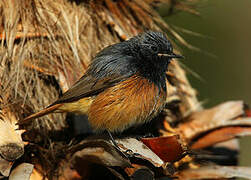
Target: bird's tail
[[41, 113]]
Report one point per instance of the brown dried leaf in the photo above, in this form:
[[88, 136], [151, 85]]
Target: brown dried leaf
[[99, 152], [169, 148], [91, 156], [99, 155], [221, 135], [209, 119], [22, 171], [215, 172]]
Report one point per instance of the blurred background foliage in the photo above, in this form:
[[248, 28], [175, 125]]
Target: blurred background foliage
[[223, 64]]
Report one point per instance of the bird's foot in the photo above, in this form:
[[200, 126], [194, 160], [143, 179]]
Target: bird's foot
[[148, 135], [127, 153], [130, 154]]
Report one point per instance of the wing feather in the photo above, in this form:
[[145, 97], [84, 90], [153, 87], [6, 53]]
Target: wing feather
[[111, 65], [85, 87]]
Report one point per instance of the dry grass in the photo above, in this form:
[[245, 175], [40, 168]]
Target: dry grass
[[47, 45]]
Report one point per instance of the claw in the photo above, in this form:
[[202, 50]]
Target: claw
[[130, 154]]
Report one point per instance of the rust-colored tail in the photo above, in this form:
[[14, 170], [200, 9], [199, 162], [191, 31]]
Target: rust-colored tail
[[43, 112]]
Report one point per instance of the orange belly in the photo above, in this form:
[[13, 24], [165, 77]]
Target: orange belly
[[129, 103]]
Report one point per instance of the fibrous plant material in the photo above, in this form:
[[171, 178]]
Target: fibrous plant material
[[47, 45]]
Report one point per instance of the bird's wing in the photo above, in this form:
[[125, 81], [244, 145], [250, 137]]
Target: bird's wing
[[109, 67], [87, 86], [84, 87]]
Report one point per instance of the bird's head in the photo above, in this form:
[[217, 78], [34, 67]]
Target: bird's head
[[153, 47], [147, 54]]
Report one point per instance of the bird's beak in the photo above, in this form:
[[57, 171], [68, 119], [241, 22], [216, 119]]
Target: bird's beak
[[171, 55]]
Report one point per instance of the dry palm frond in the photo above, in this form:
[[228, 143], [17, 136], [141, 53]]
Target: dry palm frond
[[47, 45]]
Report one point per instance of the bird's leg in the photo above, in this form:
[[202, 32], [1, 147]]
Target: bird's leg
[[148, 135], [113, 140]]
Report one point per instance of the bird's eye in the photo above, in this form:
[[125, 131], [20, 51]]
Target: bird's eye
[[154, 48], [170, 50]]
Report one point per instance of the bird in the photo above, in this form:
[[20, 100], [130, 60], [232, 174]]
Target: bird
[[124, 85]]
